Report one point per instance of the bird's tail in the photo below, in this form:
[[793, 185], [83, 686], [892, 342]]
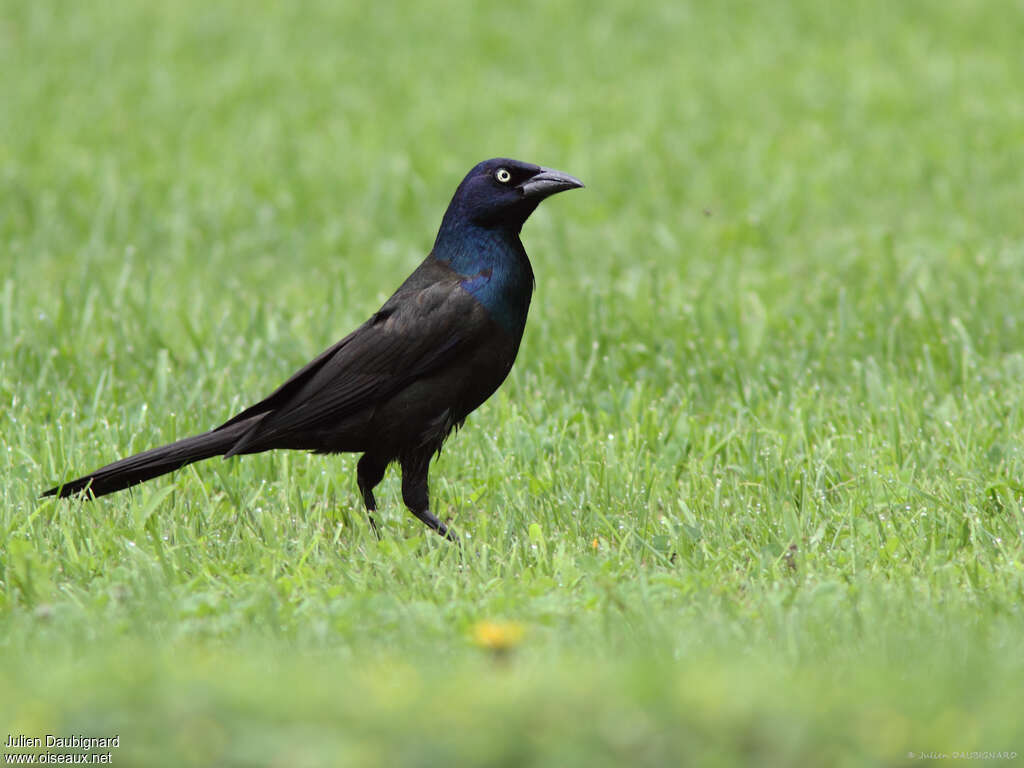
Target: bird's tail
[[154, 462]]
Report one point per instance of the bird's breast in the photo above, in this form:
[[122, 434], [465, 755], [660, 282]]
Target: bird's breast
[[506, 299]]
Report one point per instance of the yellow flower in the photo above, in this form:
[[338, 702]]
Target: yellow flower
[[498, 636]]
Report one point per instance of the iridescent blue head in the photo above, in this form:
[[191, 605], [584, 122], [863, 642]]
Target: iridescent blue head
[[479, 235], [502, 193]]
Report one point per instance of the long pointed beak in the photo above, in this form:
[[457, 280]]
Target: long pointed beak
[[547, 182]]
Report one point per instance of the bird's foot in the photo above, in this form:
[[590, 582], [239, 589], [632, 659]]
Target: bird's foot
[[373, 526], [431, 521]]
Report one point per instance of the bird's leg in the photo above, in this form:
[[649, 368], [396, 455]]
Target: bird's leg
[[369, 472], [415, 493]]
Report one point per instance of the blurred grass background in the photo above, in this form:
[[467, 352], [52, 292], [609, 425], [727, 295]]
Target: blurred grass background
[[752, 493]]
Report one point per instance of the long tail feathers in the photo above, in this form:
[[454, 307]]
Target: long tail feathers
[[153, 463]]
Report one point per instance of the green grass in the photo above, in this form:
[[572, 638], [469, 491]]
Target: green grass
[[754, 490]]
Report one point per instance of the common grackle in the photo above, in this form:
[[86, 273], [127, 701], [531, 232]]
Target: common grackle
[[395, 387]]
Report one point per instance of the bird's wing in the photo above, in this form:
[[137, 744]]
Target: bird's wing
[[422, 327]]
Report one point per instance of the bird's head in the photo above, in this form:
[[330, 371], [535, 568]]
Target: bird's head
[[502, 193]]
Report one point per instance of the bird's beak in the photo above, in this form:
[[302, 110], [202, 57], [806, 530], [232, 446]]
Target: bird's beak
[[548, 181]]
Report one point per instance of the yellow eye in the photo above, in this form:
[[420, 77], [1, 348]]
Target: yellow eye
[[503, 175]]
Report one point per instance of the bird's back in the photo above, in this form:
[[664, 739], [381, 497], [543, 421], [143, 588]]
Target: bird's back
[[430, 356]]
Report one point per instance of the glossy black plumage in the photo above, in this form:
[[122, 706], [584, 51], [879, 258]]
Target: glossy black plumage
[[395, 387]]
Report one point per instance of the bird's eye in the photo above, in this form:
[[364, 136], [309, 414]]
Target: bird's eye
[[503, 175]]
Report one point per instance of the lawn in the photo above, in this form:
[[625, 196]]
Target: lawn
[[752, 495]]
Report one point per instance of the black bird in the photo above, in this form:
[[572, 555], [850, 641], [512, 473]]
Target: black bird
[[395, 387]]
